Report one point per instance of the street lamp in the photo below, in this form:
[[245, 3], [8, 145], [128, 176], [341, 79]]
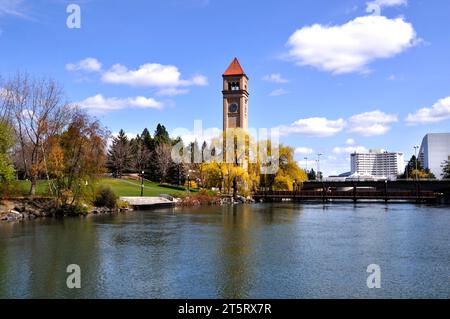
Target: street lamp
[[319, 176], [142, 184], [416, 147], [189, 182], [306, 166]]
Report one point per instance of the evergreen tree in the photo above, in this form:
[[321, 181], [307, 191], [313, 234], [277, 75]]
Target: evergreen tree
[[446, 169], [312, 175], [411, 167], [161, 135], [119, 155], [411, 172], [159, 145], [147, 140]]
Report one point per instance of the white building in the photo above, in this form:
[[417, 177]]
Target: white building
[[378, 164], [434, 151]]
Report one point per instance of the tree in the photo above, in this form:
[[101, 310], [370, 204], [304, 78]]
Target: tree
[[161, 135], [119, 155], [414, 169], [312, 175], [289, 170], [140, 153], [148, 140], [77, 158], [178, 170], [6, 142], [446, 169], [212, 175], [162, 157], [37, 111]]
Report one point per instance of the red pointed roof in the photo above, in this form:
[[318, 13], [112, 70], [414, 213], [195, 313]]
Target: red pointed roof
[[234, 68]]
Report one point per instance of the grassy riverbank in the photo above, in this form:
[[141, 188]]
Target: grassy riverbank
[[130, 187], [121, 187]]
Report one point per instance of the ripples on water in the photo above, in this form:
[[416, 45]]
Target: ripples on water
[[257, 251]]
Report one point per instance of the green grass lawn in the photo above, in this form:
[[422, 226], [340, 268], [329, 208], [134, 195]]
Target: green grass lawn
[[23, 187], [129, 187], [122, 187]]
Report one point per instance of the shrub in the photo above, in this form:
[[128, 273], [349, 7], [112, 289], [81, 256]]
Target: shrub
[[122, 204], [9, 190], [105, 197], [191, 184], [203, 197]]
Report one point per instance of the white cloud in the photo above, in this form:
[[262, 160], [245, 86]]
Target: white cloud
[[199, 80], [352, 46], [278, 92], [99, 103], [127, 134], [151, 75], [350, 150], [371, 123], [304, 150], [392, 77], [88, 65], [385, 3], [350, 141], [12, 8], [171, 92], [275, 78], [206, 135], [317, 126], [365, 124], [438, 112]]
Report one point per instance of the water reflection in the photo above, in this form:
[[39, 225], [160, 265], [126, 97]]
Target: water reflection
[[282, 250], [34, 257], [234, 273]]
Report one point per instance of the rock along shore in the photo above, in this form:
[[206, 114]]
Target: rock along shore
[[21, 209]]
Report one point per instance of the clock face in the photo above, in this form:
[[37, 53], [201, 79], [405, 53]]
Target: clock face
[[232, 108]]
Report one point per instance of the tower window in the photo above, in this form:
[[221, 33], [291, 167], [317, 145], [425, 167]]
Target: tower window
[[233, 86]]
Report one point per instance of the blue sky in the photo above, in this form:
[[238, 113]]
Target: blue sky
[[334, 76]]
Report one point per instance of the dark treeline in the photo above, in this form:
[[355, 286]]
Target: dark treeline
[[151, 154]]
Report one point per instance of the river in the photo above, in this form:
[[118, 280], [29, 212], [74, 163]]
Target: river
[[282, 250]]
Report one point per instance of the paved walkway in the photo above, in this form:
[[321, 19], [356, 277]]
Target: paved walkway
[[147, 201]]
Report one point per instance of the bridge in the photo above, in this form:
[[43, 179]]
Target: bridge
[[436, 191]]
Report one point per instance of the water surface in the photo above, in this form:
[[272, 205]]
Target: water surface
[[249, 251]]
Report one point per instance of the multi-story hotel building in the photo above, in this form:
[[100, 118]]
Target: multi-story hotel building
[[378, 164]]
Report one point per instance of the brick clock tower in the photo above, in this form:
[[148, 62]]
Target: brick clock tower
[[235, 110], [235, 97]]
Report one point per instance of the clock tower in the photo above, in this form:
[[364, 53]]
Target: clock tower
[[235, 97]]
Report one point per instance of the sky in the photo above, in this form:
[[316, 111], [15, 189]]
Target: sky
[[332, 76]]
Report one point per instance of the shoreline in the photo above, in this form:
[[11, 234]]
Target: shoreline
[[27, 209], [31, 208]]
